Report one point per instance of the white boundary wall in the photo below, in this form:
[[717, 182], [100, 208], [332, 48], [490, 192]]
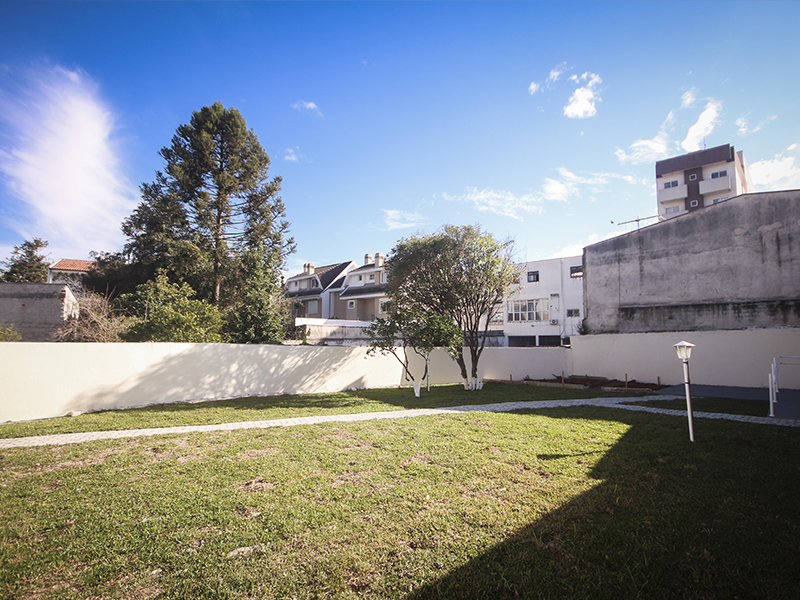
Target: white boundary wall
[[41, 380], [740, 358], [47, 380]]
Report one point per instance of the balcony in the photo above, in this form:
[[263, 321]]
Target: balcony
[[674, 193], [720, 184]]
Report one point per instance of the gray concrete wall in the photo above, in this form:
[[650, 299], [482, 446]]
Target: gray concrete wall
[[733, 265], [34, 310]]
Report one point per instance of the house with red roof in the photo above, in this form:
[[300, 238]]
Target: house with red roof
[[70, 271]]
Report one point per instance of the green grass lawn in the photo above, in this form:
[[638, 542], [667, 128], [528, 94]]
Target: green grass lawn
[[280, 407], [731, 406], [582, 502]]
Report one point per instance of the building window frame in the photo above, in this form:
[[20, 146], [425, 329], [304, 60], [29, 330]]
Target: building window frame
[[533, 276], [351, 304], [575, 272]]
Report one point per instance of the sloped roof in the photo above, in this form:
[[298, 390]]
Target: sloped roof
[[357, 291], [71, 264], [330, 273]]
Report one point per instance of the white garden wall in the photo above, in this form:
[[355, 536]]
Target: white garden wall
[[40, 380], [740, 358], [47, 380]]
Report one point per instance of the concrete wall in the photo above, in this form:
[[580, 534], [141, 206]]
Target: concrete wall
[[48, 379], [45, 380], [733, 265], [729, 358], [40, 380], [36, 309]]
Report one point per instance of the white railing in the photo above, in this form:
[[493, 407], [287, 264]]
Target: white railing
[[773, 378]]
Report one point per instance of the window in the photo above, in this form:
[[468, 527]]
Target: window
[[717, 200], [372, 277], [671, 184], [529, 310], [693, 177], [383, 277], [573, 312], [694, 203], [719, 174], [382, 306], [351, 304], [313, 307], [672, 209], [576, 271], [361, 278], [515, 280], [533, 276]]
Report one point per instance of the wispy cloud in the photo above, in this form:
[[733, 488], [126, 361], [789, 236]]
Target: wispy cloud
[[648, 151], [744, 127], [61, 161], [566, 186], [778, 173], [398, 219], [555, 74], [689, 98], [292, 154], [499, 202], [705, 124], [582, 103], [308, 107]]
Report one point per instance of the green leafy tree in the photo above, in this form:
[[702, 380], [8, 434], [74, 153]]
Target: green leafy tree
[[410, 327], [259, 319], [27, 264], [165, 312], [459, 272]]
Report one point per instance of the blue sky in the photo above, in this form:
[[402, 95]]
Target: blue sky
[[540, 121]]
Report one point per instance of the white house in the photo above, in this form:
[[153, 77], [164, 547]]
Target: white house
[[547, 309]]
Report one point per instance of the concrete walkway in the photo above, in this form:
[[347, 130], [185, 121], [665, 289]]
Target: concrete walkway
[[76, 438]]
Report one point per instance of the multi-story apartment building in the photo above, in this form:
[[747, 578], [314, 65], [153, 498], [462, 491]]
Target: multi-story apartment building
[[692, 181], [547, 308]]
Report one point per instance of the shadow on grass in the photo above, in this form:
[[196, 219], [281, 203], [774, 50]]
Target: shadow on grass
[[669, 519]]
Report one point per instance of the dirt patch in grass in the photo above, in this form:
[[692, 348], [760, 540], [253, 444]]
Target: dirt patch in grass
[[258, 484]]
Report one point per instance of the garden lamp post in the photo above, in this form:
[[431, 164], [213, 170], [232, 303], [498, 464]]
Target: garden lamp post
[[684, 350]]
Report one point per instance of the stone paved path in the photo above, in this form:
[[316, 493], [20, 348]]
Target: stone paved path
[[76, 438]]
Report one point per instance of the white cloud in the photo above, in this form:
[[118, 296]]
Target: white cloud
[[704, 126], [61, 161], [689, 98], [292, 155], [563, 188], [309, 107], [779, 173], [398, 219], [557, 72], [648, 151], [744, 127], [500, 202], [582, 103]]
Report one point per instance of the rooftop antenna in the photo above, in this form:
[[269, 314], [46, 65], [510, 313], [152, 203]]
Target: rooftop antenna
[[637, 220]]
